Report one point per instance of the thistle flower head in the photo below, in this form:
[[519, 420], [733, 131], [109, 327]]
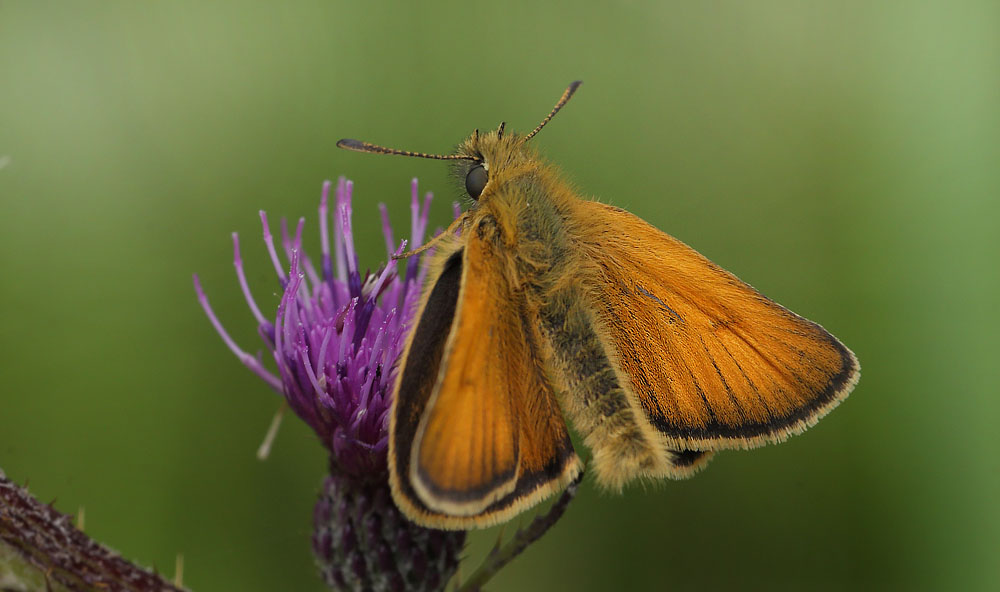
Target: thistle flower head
[[337, 331], [335, 339]]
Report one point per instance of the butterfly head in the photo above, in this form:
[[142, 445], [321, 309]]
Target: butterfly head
[[482, 159], [489, 157]]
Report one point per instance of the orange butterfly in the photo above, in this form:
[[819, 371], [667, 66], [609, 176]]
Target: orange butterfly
[[547, 304]]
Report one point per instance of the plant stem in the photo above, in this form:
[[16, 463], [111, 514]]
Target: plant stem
[[501, 556], [40, 549]]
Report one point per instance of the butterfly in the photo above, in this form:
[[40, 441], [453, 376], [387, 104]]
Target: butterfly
[[540, 306]]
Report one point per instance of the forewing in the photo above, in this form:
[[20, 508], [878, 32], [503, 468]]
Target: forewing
[[484, 439], [713, 363]]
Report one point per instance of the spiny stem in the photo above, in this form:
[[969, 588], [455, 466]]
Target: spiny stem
[[501, 556], [40, 549]]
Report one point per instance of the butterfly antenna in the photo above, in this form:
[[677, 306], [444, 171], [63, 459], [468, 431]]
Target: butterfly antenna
[[559, 105], [359, 146]]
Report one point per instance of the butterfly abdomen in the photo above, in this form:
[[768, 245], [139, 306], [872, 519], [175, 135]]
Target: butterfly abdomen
[[591, 394]]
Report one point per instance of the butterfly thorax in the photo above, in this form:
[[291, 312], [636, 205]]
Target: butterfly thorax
[[523, 211]]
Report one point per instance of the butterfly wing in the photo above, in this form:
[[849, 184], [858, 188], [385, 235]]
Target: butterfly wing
[[476, 435], [712, 362]]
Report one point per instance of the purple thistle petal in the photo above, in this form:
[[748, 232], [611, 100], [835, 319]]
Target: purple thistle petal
[[323, 362], [324, 232], [249, 361], [425, 215], [269, 241], [319, 389], [286, 240], [301, 292], [414, 212], [242, 278], [297, 245], [387, 271], [419, 223], [386, 228], [348, 322], [310, 269], [353, 277], [289, 245], [338, 241]]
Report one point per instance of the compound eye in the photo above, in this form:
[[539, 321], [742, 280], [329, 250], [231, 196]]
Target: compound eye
[[476, 180]]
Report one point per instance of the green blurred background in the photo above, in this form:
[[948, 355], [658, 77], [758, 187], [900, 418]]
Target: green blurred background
[[840, 156]]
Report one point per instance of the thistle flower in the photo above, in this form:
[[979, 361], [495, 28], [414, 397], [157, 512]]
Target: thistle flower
[[335, 338]]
